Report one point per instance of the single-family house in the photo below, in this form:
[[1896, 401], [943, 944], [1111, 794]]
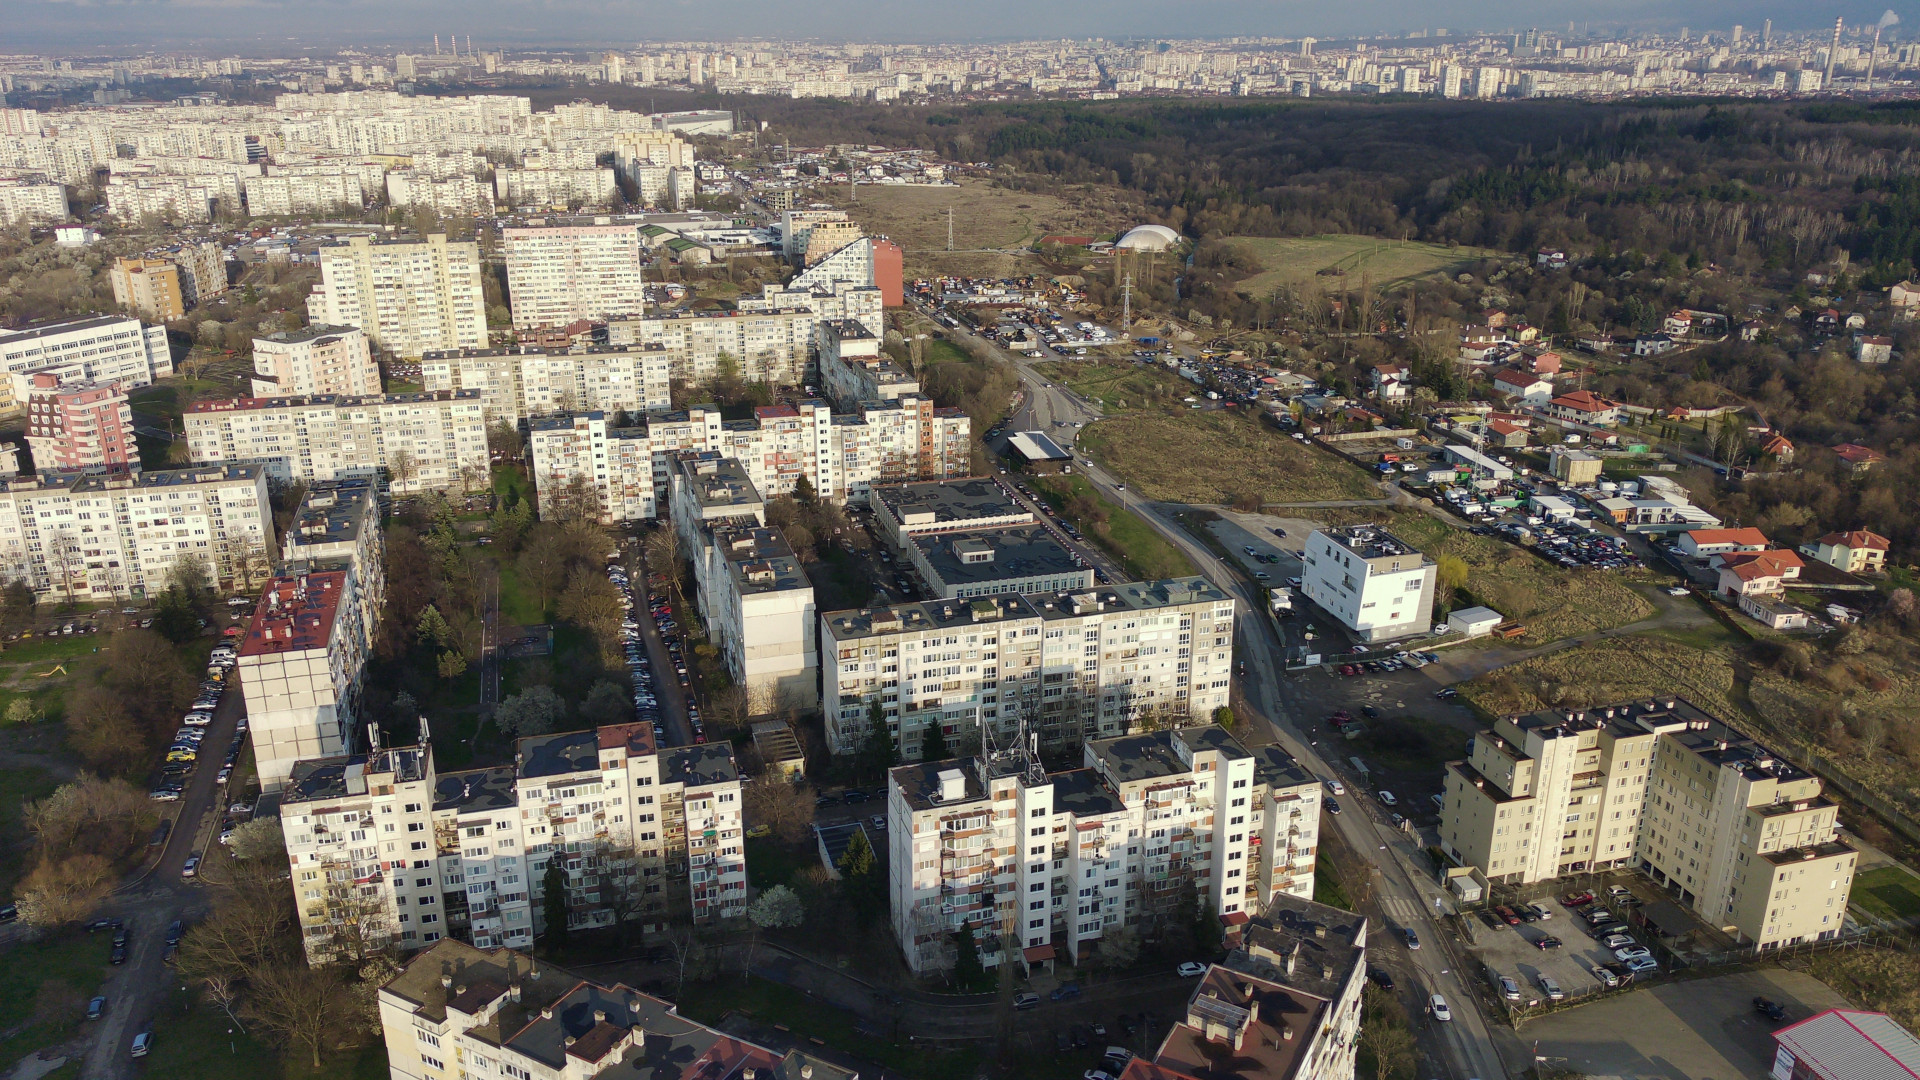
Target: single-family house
[[1477, 341], [1856, 552], [1678, 323], [1391, 382], [1496, 318], [1826, 321], [1752, 329], [1506, 434], [1524, 385], [1905, 299], [1586, 407], [1706, 543], [1859, 458], [1550, 259], [1778, 447], [1540, 361], [1872, 348], [1523, 333], [1762, 573], [1652, 344], [1776, 614], [1855, 321]]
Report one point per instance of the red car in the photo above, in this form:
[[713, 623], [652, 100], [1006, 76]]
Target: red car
[[1349, 669], [1576, 899], [1507, 913]]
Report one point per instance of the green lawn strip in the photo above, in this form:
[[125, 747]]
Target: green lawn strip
[[1889, 892], [771, 862], [16, 786], [1143, 552], [195, 1040], [771, 1003], [46, 1000], [1328, 891], [519, 605]]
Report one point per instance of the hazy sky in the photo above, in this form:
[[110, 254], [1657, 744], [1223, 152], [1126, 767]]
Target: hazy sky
[[282, 26]]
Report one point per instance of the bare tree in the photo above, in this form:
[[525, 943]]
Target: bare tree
[[299, 1006], [63, 890], [402, 467]]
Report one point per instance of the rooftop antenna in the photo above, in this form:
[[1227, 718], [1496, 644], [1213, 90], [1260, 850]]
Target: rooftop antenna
[[425, 736], [949, 228], [1126, 304], [373, 737]]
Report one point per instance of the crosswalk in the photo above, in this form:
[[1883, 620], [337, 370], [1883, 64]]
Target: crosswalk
[[1399, 909]]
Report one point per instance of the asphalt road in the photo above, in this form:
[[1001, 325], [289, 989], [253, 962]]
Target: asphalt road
[[1404, 896], [666, 687]]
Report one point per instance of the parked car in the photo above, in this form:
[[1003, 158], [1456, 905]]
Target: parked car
[[1541, 909], [1551, 987], [192, 868], [1064, 991], [142, 1044], [1437, 1005], [1546, 943], [1640, 964], [1412, 939], [1191, 969], [1509, 989], [1027, 1001], [1381, 977], [1607, 978], [97, 1008], [1616, 941], [1506, 915], [1772, 1010], [1630, 953], [1387, 798]]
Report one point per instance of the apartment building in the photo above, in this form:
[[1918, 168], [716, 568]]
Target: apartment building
[[1285, 1003], [1056, 861], [306, 191], [559, 273], [100, 536], [31, 201], [148, 287], [458, 1010], [515, 384], [338, 524], [448, 195], [301, 664], [1072, 666], [1744, 838], [203, 271], [177, 200], [756, 599], [554, 189], [410, 297], [79, 425], [772, 346], [420, 441], [104, 348], [1378, 586], [842, 456], [866, 262], [853, 369], [827, 299], [319, 359], [797, 226]]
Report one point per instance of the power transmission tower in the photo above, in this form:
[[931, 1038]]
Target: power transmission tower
[[1126, 304], [949, 228]]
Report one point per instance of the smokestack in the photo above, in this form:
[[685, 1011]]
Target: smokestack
[[1833, 51], [1887, 19]]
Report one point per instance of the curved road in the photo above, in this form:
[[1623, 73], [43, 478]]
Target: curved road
[[1406, 895]]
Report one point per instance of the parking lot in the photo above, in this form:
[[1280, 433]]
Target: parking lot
[[1515, 951], [1699, 1028]]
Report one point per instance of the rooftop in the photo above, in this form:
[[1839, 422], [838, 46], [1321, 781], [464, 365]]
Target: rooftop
[[701, 765], [318, 333], [333, 512], [1153, 755], [475, 790], [1262, 1027], [1370, 541], [718, 483], [1036, 446], [946, 503], [919, 783], [1852, 1044], [295, 613], [983, 555], [759, 560], [1302, 944], [70, 326], [244, 404], [558, 754]]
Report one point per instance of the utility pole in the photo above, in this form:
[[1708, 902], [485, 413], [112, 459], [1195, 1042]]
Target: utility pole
[[1126, 305], [949, 228]]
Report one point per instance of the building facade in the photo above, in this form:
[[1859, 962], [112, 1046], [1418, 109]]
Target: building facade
[[1745, 839], [559, 273], [301, 665], [102, 348], [338, 523], [79, 425], [773, 346], [410, 297], [515, 384], [421, 441], [1072, 667], [1376, 585], [150, 288], [319, 359]]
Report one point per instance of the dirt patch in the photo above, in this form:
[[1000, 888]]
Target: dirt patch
[[1617, 669], [1215, 456]]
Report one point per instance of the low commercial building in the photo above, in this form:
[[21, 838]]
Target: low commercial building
[[1729, 828], [79, 425], [1058, 862], [1484, 467], [1574, 467], [429, 441], [991, 562], [456, 1005], [1092, 664], [99, 536], [104, 348], [318, 359], [1473, 621], [1378, 586], [902, 512], [1039, 453], [1845, 1044], [1706, 543]]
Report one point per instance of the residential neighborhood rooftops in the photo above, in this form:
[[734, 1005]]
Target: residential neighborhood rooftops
[[1266, 1026], [985, 555], [558, 754], [759, 560], [1857, 540], [700, 765], [1153, 754]]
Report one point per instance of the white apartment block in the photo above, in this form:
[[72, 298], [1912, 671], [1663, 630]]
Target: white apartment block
[[411, 297], [456, 1012], [179, 200], [103, 348], [319, 359], [557, 274], [1377, 586], [449, 196], [560, 189], [834, 299], [796, 228], [752, 591], [31, 201], [1071, 667], [107, 536], [772, 346], [1059, 860], [1744, 838], [853, 369], [842, 456], [301, 664], [515, 384], [422, 441], [384, 846], [283, 194]]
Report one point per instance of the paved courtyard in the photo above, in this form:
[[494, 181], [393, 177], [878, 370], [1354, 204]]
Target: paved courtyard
[[1697, 1029]]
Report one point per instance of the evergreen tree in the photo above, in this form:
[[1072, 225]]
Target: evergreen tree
[[879, 754], [1206, 930], [803, 492], [553, 902], [933, 744], [968, 972]]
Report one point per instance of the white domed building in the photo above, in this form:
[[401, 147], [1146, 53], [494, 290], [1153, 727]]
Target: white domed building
[[1149, 238]]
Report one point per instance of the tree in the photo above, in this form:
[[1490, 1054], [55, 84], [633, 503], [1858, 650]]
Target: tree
[[299, 1006], [451, 665], [402, 467], [90, 815], [432, 627], [176, 618], [777, 908], [592, 603], [879, 754], [1224, 717], [933, 742], [191, 575], [22, 710], [1449, 573], [968, 972], [17, 604], [543, 562], [536, 710], [804, 493], [1206, 930], [63, 890], [728, 708], [105, 733], [260, 838], [606, 704], [785, 808], [863, 888], [553, 902], [248, 927]]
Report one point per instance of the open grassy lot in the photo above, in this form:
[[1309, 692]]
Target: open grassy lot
[[1888, 891], [1213, 456], [45, 1001], [1552, 602], [1617, 669], [1120, 386], [1143, 552], [984, 217], [17, 785], [188, 1036], [1872, 977], [1298, 260]]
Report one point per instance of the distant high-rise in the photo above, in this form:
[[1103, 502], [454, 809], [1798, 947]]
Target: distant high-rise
[[1306, 46], [1766, 34], [1737, 30]]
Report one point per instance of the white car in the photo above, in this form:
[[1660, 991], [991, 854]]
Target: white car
[[1541, 910], [1336, 787], [1190, 970], [1387, 798], [1437, 1005], [1631, 953]]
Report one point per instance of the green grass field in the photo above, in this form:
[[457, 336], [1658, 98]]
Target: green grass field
[[1297, 261], [1120, 387], [188, 1038], [46, 999], [1125, 536], [1214, 456], [1887, 891]]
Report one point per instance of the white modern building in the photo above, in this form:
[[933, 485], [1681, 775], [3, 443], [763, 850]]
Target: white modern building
[[410, 297], [319, 359], [103, 348], [1072, 667], [559, 273], [421, 441], [1055, 862], [103, 536], [771, 346], [1377, 586]]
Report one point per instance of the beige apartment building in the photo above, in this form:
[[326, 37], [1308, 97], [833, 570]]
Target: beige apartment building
[[318, 359], [148, 287], [410, 297], [1730, 829]]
